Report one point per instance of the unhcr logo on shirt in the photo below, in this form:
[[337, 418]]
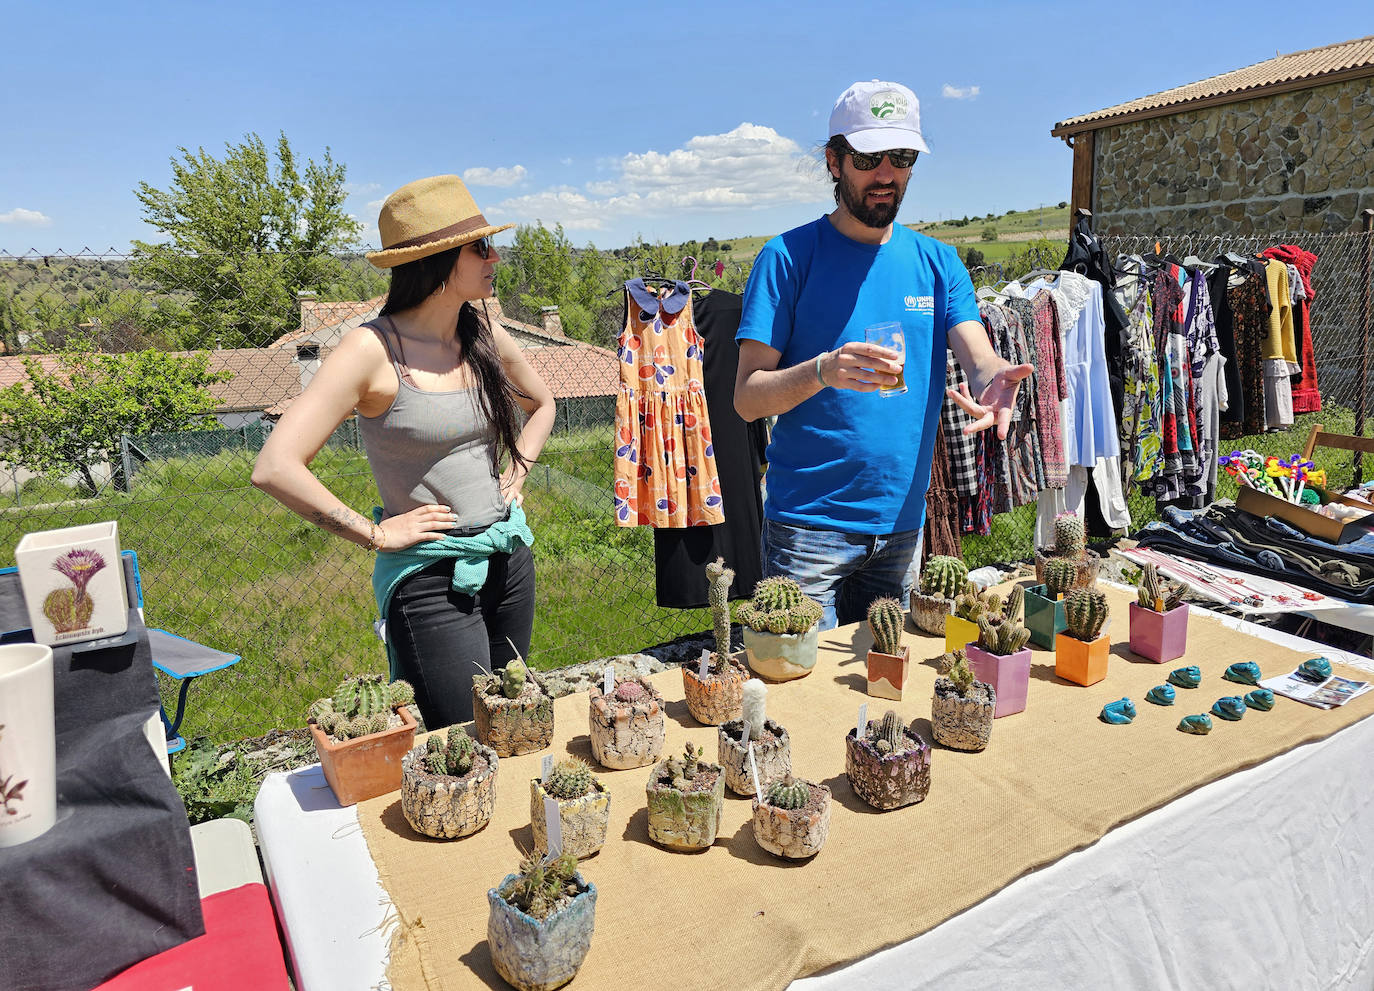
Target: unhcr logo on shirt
[[920, 304]]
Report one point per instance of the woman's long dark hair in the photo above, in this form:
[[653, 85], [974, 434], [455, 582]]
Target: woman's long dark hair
[[413, 283]]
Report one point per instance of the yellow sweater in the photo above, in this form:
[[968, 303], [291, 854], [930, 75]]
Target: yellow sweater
[[1280, 342]]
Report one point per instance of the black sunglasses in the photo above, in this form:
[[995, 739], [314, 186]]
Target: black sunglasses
[[901, 158], [483, 245]]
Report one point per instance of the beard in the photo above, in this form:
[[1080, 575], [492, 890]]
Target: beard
[[852, 190]]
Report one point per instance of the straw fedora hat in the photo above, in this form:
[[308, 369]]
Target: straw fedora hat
[[428, 216]]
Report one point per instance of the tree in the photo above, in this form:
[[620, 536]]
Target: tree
[[989, 233], [1063, 203], [243, 235], [72, 416], [973, 258]]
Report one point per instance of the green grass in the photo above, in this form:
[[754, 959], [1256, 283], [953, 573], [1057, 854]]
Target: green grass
[[1050, 218]]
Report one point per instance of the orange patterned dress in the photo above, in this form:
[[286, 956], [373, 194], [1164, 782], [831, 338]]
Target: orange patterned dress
[[665, 466]]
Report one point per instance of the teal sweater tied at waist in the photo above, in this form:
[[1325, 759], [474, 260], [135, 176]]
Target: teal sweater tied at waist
[[470, 558]]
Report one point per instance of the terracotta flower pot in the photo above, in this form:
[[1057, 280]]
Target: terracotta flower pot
[[1159, 636], [959, 633], [794, 833], [962, 722], [887, 673], [781, 656], [1044, 617], [717, 698], [627, 734], [1087, 568], [888, 781], [1008, 675], [585, 820], [772, 756], [929, 612], [444, 806], [685, 820], [539, 956], [366, 766], [515, 726], [1083, 663]]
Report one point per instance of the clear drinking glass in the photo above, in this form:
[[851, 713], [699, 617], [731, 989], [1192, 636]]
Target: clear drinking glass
[[890, 336]]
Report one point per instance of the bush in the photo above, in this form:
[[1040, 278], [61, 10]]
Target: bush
[[989, 233], [1062, 204], [973, 258]]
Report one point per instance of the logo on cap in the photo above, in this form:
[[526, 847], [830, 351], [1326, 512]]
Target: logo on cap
[[888, 105]]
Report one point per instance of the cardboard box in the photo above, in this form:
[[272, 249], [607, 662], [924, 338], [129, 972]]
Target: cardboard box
[[73, 583], [1309, 522]]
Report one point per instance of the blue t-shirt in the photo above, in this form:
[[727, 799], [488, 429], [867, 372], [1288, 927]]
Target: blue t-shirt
[[843, 460]]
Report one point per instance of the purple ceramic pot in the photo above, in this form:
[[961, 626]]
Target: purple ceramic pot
[[1159, 637], [1009, 676]]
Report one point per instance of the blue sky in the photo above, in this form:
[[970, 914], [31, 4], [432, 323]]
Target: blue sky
[[667, 121]]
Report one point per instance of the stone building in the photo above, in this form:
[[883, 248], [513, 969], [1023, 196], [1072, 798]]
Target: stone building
[[1283, 145]]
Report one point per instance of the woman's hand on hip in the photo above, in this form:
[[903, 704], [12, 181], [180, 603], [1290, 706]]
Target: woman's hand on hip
[[416, 526], [513, 484]]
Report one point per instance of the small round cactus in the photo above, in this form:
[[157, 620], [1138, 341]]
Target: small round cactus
[[1060, 575], [886, 620], [778, 606], [570, 778], [630, 691], [943, 576], [999, 635], [1070, 539], [789, 793], [513, 678], [888, 734], [359, 706], [452, 757], [1085, 612]]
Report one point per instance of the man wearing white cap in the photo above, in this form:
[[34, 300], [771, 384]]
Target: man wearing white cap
[[849, 462]]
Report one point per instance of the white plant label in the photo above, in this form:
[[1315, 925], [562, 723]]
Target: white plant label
[[608, 681], [705, 662], [744, 732], [553, 826], [863, 721], [754, 770], [545, 767]]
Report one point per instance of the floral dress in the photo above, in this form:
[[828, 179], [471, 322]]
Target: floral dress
[[665, 465]]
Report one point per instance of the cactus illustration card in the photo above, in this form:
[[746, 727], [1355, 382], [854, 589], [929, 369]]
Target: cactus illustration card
[[73, 583]]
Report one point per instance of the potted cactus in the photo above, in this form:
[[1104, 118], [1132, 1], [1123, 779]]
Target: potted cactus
[[942, 579], [686, 797], [793, 819], [962, 710], [715, 698], [1045, 603], [1081, 650], [1071, 543], [584, 808], [511, 711], [627, 727], [361, 733], [889, 659], [1159, 618], [888, 766], [540, 924], [448, 786], [971, 605], [780, 629], [1001, 658], [772, 748]]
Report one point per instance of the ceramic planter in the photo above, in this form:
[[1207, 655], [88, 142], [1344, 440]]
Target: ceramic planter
[[887, 673], [888, 781], [444, 806], [772, 756], [539, 956], [627, 734], [73, 583], [1008, 675], [1044, 617], [962, 722], [929, 612], [1159, 636], [28, 747], [1083, 663], [1087, 568], [366, 766], [794, 834], [959, 633], [717, 698], [781, 656], [685, 820], [515, 726], [584, 820]]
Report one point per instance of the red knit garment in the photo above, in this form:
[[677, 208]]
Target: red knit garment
[[1306, 398]]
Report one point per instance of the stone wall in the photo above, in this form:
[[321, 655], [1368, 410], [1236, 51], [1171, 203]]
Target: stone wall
[[1299, 161]]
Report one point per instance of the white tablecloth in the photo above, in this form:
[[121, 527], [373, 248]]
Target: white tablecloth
[[1258, 880]]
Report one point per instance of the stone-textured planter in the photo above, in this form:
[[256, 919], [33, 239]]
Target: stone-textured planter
[[515, 726], [448, 807], [781, 656], [627, 734], [1087, 568], [717, 698], [539, 956], [887, 673], [772, 756], [959, 633], [929, 612], [685, 820], [365, 766], [794, 833], [1044, 617], [888, 781], [962, 722], [584, 819], [1159, 636], [1083, 663], [1008, 675]]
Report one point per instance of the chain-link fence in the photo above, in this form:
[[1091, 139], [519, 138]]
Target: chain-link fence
[[225, 565]]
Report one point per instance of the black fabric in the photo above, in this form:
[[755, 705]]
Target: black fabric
[[1087, 256], [1217, 286], [681, 554], [114, 881]]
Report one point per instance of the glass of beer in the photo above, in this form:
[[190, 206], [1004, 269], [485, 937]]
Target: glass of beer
[[890, 336]]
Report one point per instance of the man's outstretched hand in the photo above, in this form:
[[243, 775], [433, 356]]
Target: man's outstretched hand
[[996, 404]]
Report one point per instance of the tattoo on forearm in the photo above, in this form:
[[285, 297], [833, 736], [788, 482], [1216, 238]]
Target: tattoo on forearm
[[340, 521]]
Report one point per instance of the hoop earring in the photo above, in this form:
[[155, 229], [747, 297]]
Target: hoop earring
[[440, 290]]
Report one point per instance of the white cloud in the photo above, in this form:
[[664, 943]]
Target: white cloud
[[565, 161], [749, 168], [26, 218], [960, 92], [361, 188], [494, 177], [376, 205]]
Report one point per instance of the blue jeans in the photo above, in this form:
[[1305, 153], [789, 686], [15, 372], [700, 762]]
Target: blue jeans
[[844, 572]]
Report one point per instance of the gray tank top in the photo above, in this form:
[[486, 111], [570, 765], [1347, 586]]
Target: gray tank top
[[432, 447]]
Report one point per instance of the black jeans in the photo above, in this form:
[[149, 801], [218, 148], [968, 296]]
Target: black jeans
[[443, 638]]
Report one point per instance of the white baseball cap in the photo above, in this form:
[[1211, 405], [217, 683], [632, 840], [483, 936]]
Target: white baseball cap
[[877, 116]]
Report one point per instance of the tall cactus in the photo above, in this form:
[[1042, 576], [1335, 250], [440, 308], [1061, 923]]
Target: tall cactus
[[513, 677], [754, 706], [1070, 539], [999, 635], [943, 576], [1085, 611], [1016, 600], [451, 757], [887, 734], [1060, 575], [360, 705], [1151, 588], [778, 606], [886, 620], [719, 579]]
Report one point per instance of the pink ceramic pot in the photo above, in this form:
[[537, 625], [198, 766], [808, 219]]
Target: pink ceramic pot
[[1159, 637], [1009, 676]]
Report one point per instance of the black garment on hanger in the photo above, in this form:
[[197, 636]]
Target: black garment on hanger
[[1217, 284], [682, 553], [1087, 256]]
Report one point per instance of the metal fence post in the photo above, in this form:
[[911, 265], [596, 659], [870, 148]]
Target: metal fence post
[[127, 461], [1367, 248]]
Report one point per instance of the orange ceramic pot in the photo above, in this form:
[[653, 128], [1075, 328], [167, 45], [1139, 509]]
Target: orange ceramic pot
[[719, 696], [366, 766], [1082, 662], [887, 673]]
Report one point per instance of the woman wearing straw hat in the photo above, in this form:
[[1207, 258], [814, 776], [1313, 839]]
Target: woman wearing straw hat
[[437, 385]]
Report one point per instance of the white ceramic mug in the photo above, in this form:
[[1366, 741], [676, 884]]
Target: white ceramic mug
[[28, 746]]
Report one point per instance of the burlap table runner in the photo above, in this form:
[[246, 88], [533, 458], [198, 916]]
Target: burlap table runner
[[1053, 779]]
